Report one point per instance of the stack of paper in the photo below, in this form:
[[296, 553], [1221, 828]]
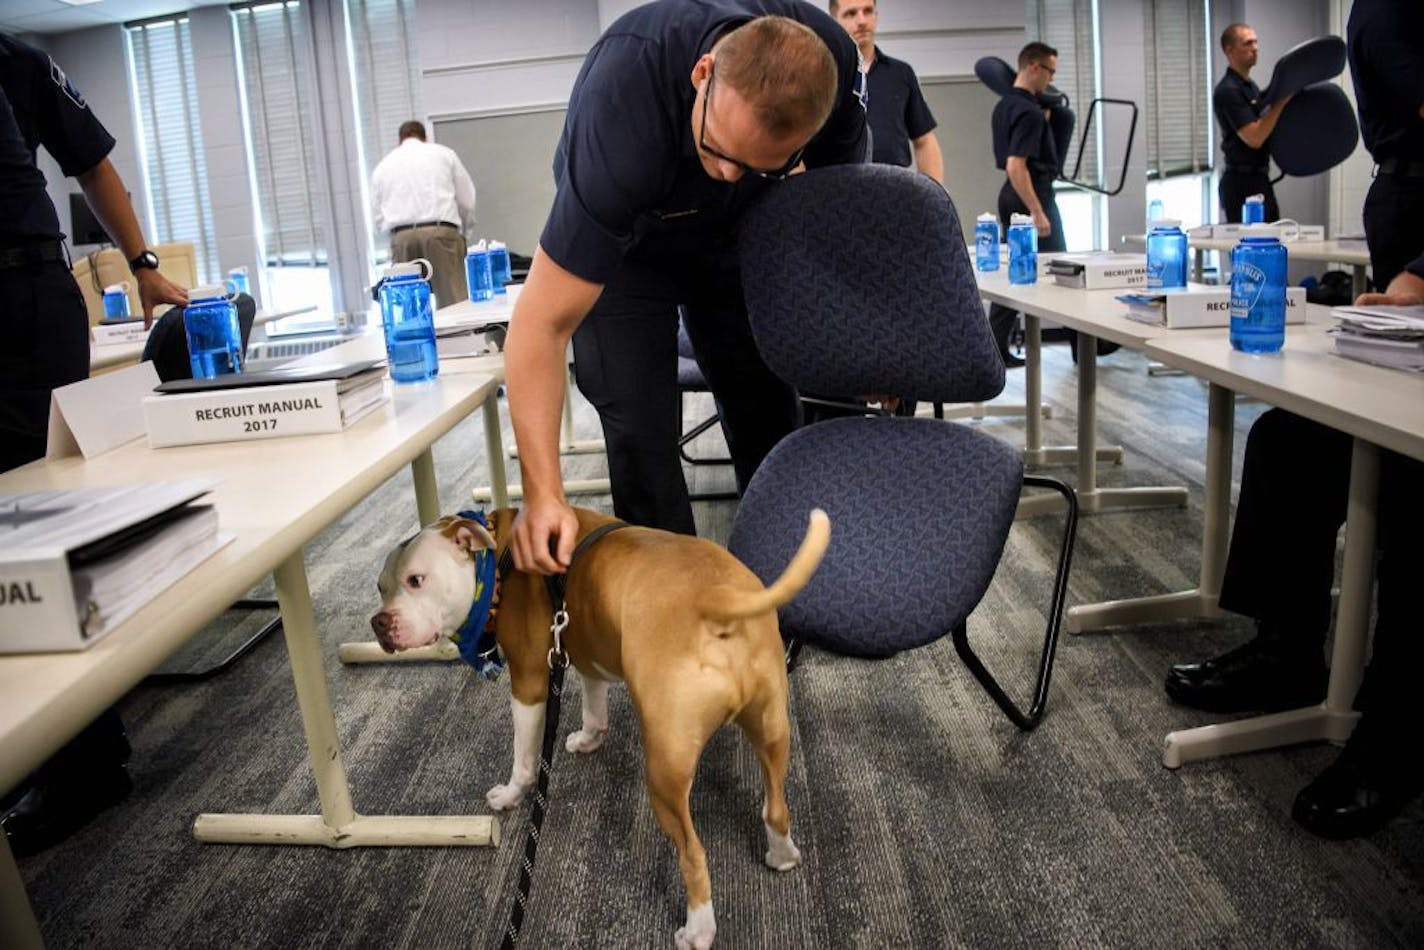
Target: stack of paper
[[74, 564], [1385, 336]]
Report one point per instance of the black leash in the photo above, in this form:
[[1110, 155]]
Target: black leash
[[558, 664]]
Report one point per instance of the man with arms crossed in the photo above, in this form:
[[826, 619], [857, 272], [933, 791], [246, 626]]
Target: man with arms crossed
[[683, 112]]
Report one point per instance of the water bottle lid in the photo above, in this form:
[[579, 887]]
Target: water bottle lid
[[237, 271], [1166, 223], [116, 289], [1256, 199], [1020, 219], [407, 269], [207, 292], [496, 245], [989, 216], [479, 247], [1261, 230]]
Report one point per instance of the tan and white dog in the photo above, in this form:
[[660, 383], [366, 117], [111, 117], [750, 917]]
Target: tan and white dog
[[685, 624]]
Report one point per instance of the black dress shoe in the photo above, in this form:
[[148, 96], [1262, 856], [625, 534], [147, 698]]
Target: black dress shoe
[[1257, 676], [1357, 795], [52, 810], [1011, 361]]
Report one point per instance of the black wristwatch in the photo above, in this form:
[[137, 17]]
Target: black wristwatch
[[145, 259]]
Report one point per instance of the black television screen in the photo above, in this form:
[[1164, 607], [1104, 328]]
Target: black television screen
[[84, 227]]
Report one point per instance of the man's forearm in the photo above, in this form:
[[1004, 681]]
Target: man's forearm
[[1256, 133], [105, 192], [1023, 185], [534, 374], [928, 158]]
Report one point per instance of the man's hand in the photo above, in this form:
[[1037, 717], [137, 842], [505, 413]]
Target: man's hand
[[1407, 289], [1041, 224], [545, 535], [154, 289]]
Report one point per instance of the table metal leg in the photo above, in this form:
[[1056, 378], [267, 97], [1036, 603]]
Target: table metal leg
[[1090, 496], [427, 490], [1357, 281], [338, 825], [18, 928], [1334, 719], [494, 452], [1035, 452], [1201, 600]]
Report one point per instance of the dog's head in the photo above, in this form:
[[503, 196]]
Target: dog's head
[[428, 583]]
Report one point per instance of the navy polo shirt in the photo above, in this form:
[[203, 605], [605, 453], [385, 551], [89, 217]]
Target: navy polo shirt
[[1021, 129], [1237, 102], [1386, 45], [40, 106], [896, 109], [628, 175]]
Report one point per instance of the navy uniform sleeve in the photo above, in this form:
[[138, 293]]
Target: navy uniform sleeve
[[1232, 108], [918, 118], [66, 126], [1416, 267], [618, 155]]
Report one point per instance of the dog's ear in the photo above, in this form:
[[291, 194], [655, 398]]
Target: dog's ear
[[469, 536], [502, 522]]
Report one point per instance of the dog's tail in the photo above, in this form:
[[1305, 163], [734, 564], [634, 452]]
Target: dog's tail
[[788, 585]]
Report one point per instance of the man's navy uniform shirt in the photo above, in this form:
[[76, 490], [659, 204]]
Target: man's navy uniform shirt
[[1386, 41], [896, 109], [1020, 129], [627, 168], [40, 106], [1237, 102]]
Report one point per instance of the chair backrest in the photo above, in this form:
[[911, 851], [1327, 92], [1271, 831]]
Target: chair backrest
[[167, 344], [93, 272], [858, 281]]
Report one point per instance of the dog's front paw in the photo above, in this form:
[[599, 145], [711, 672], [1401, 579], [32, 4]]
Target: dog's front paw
[[585, 740], [698, 932], [505, 797], [781, 852]]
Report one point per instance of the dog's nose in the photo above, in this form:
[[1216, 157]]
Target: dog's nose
[[381, 623]]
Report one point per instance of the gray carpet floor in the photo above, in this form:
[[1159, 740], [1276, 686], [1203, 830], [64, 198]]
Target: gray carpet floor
[[925, 818]]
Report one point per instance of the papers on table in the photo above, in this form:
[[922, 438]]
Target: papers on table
[[1383, 335], [74, 564]]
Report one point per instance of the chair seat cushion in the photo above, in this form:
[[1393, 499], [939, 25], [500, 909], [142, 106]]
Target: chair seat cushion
[[1317, 130], [920, 510]]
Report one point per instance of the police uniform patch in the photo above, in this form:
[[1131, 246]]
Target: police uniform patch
[[62, 81]]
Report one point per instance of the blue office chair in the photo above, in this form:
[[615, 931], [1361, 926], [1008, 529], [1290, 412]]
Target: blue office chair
[[857, 281]]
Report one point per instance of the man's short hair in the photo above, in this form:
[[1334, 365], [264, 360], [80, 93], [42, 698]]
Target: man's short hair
[[784, 70], [1230, 34], [835, 6], [1035, 52], [412, 130]]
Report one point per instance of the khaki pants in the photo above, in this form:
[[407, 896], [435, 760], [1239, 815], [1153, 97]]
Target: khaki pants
[[444, 248]]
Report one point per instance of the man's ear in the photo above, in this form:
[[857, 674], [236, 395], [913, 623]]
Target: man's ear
[[701, 70]]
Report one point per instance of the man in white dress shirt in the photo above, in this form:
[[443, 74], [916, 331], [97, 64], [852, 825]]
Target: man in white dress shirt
[[423, 196]]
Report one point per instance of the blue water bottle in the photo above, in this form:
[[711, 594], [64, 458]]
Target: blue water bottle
[[1154, 212], [1166, 255], [1254, 210], [479, 273], [499, 266], [1023, 250], [986, 242], [116, 302], [237, 281], [214, 337], [409, 323], [1258, 291]]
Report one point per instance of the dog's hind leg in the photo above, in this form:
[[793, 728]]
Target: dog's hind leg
[[768, 728], [595, 716], [671, 759]]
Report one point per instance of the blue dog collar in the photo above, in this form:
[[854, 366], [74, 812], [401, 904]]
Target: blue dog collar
[[475, 638]]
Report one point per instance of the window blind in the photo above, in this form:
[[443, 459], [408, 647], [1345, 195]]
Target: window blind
[[170, 135], [1177, 114], [384, 74], [275, 55], [1068, 26]]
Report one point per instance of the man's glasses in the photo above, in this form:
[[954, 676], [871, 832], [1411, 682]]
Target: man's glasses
[[774, 174], [1048, 69]]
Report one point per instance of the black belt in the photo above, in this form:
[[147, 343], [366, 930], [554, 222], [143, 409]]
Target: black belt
[[1400, 168], [424, 224], [1247, 169], [39, 251]]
